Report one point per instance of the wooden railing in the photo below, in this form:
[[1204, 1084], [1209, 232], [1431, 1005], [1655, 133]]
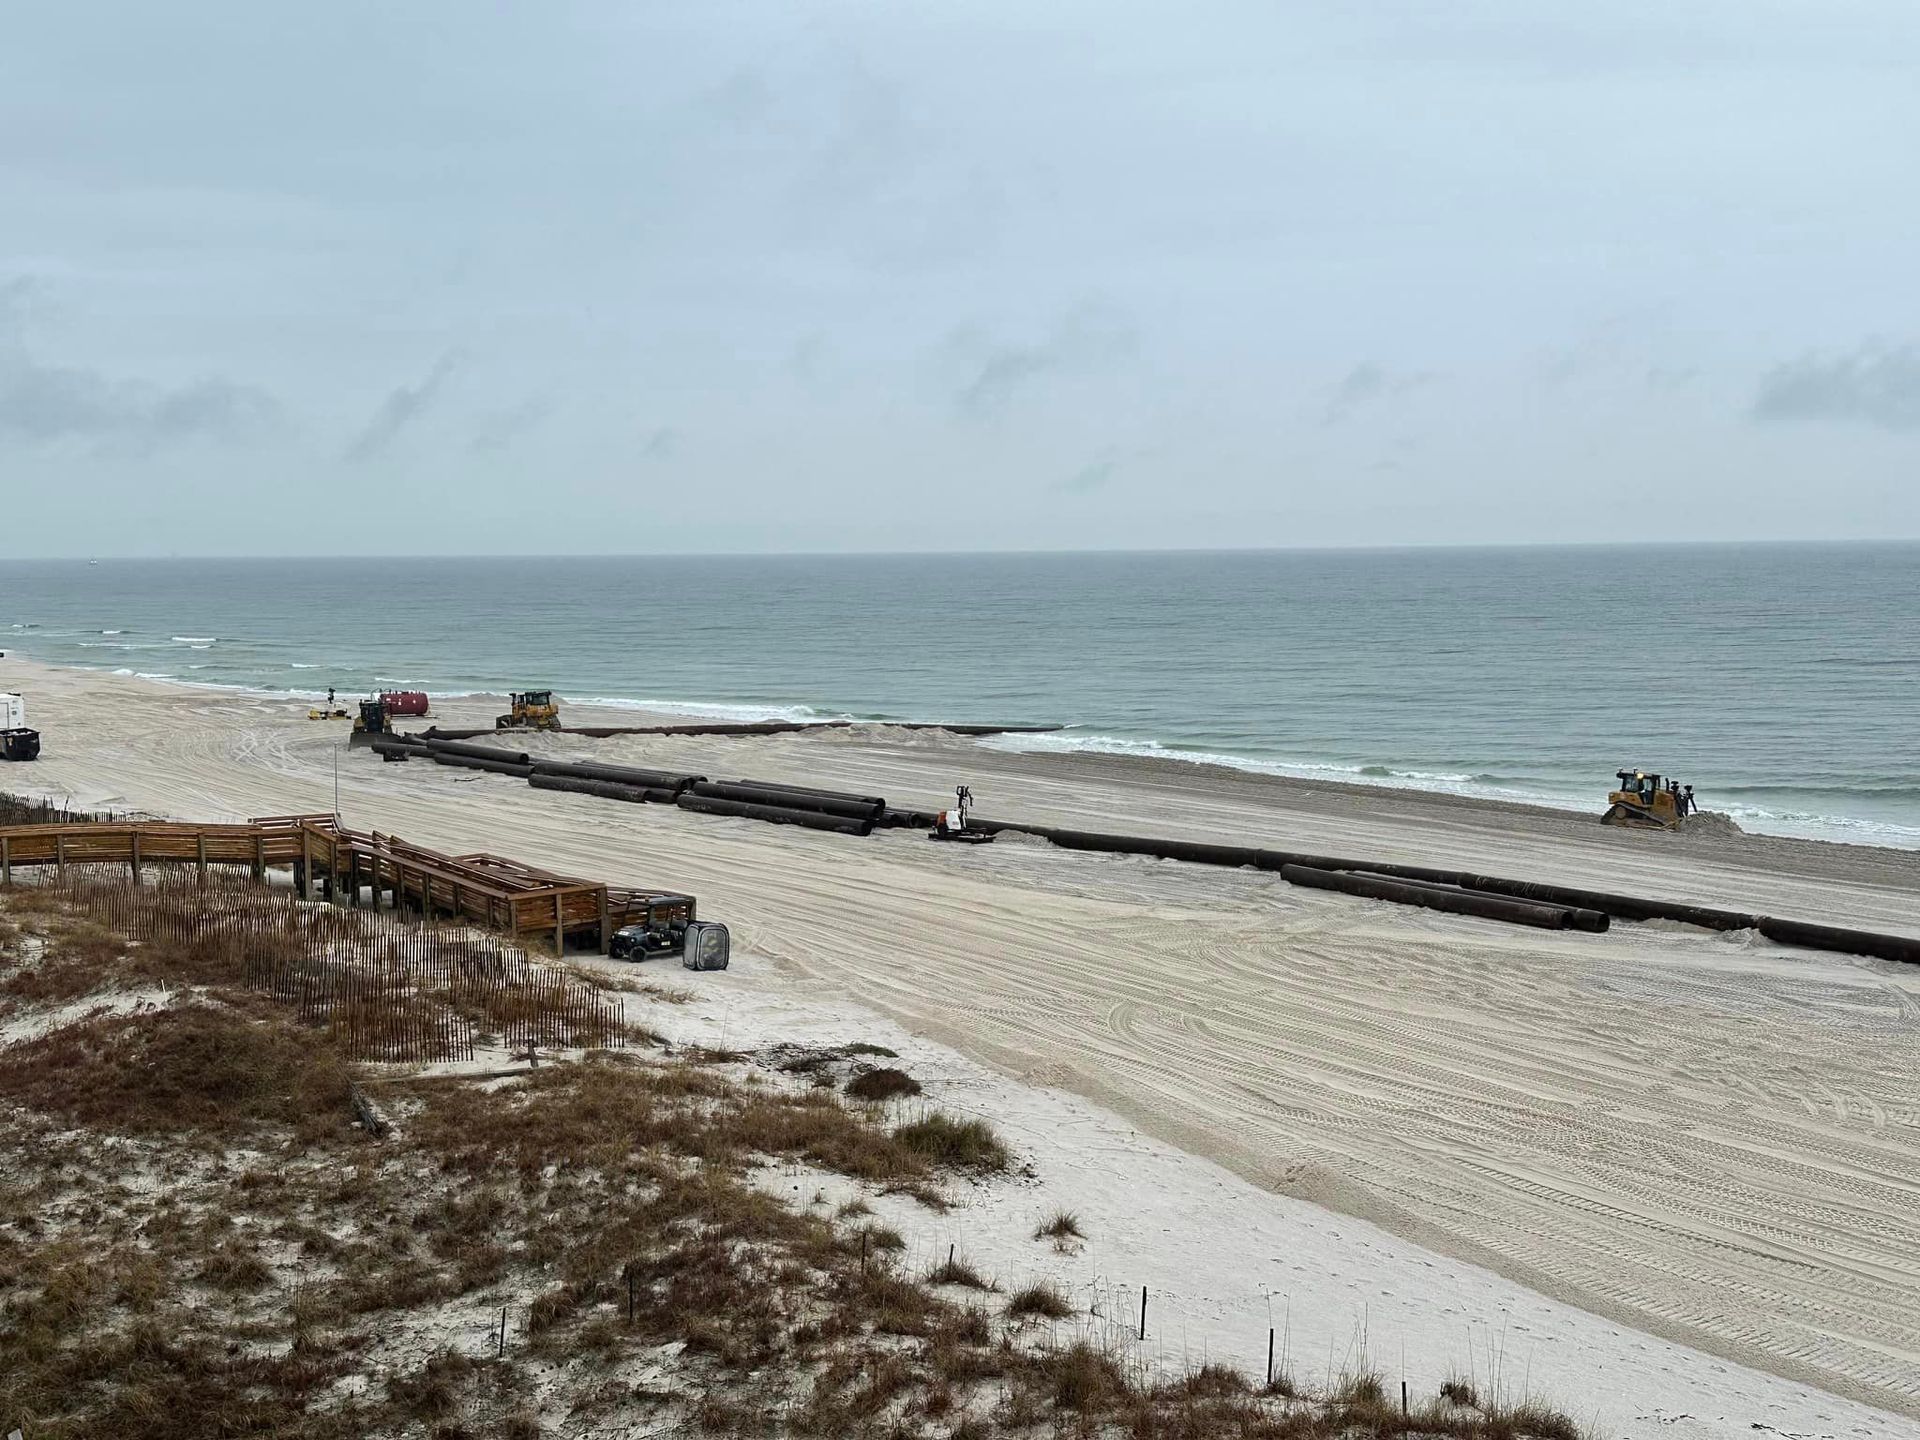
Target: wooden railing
[[258, 846], [343, 866]]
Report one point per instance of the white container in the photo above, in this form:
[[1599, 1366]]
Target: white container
[[13, 712]]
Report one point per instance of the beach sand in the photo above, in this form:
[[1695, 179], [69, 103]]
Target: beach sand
[[1707, 1137]]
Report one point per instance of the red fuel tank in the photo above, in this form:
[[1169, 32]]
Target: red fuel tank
[[404, 702]]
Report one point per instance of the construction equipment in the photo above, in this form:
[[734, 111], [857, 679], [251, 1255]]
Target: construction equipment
[[1645, 801], [952, 824], [326, 713], [17, 742], [532, 710], [662, 931], [405, 702], [371, 721]]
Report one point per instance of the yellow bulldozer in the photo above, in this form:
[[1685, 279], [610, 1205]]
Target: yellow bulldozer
[[372, 721], [531, 710], [1645, 801]]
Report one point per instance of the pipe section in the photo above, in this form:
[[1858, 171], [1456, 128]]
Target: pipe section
[[825, 802], [1432, 897], [776, 814]]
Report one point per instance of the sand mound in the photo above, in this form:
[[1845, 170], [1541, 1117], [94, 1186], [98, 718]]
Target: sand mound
[[1712, 822]]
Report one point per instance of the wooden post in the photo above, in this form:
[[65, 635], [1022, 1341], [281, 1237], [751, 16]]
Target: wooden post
[[456, 900], [259, 857], [200, 857], [606, 924], [60, 853], [133, 857], [306, 863], [559, 926], [6, 860], [1143, 1312]]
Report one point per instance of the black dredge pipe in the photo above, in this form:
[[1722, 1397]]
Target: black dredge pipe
[[1621, 907], [819, 802], [1193, 851], [605, 789], [1432, 897], [1899, 948], [497, 767], [617, 774], [1460, 892], [479, 752], [1203, 853], [775, 814], [805, 792], [760, 727], [1594, 922], [1492, 889]]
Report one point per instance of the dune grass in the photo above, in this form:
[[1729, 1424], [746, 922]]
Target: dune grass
[[882, 1083], [960, 1144], [1039, 1301], [240, 1248], [1060, 1227]]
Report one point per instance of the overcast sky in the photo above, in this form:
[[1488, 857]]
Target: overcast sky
[[651, 277]]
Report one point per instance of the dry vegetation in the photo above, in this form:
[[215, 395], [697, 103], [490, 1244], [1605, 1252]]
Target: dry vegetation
[[1062, 1227], [197, 1239]]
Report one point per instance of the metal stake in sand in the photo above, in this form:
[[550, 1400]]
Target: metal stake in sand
[[1143, 1312]]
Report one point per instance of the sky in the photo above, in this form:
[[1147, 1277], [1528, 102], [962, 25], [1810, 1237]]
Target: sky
[[664, 278]]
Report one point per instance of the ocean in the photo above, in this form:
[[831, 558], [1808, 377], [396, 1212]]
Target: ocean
[[1782, 681]]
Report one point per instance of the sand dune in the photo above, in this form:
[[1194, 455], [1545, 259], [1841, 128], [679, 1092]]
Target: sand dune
[[1712, 1137]]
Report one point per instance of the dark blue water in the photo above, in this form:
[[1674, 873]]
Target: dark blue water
[[1783, 681]]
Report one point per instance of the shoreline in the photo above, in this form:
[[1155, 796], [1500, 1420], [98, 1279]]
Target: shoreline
[[1055, 740], [1677, 1130]]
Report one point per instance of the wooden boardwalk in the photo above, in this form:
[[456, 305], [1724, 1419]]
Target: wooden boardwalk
[[353, 868]]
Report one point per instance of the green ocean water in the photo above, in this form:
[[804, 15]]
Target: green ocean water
[[1782, 680]]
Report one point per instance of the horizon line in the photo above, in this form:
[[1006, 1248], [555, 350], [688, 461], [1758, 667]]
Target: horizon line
[[1385, 548]]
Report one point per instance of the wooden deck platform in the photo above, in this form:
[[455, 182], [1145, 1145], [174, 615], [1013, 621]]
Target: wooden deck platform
[[352, 868]]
